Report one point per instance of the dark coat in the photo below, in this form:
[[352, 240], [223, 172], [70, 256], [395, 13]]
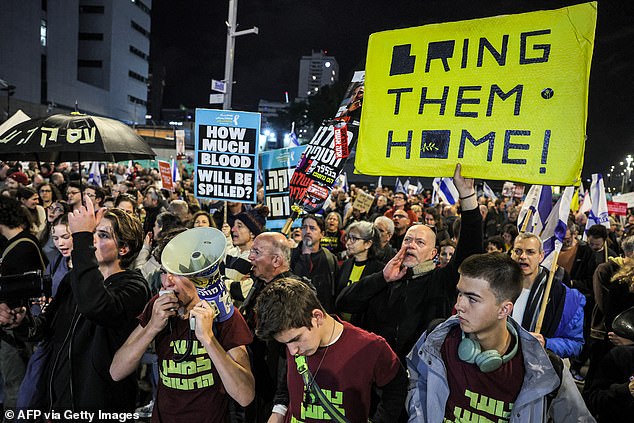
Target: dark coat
[[401, 311], [85, 324]]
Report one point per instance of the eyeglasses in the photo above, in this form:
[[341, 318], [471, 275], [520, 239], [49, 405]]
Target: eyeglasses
[[56, 209], [354, 239], [399, 198], [46, 190], [399, 216], [72, 192]]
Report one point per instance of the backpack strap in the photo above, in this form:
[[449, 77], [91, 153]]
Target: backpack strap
[[17, 241]]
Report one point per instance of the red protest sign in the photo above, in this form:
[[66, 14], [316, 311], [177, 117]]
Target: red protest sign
[[619, 209], [166, 175]]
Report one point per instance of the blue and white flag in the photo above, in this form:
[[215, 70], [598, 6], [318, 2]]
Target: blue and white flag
[[379, 183], [419, 188], [176, 175], [399, 187], [446, 190], [406, 186], [294, 141], [539, 201], [585, 202], [598, 214], [94, 178], [342, 181], [555, 230], [488, 192]]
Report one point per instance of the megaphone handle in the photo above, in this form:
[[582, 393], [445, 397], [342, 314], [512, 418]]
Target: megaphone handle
[[287, 226], [192, 323]]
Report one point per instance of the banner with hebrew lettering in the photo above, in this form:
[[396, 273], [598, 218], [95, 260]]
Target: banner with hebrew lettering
[[278, 167], [505, 96]]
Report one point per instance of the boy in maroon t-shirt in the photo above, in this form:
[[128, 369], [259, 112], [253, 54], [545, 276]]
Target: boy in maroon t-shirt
[[198, 371], [345, 362]]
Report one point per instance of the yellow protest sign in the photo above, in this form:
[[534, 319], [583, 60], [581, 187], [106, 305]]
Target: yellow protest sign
[[505, 96]]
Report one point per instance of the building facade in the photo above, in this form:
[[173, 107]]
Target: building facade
[[93, 53], [316, 71]]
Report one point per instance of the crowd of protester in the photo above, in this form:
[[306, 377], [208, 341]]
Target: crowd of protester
[[361, 295]]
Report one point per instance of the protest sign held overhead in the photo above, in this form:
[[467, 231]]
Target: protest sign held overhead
[[166, 175], [279, 166], [327, 152], [504, 96], [226, 155]]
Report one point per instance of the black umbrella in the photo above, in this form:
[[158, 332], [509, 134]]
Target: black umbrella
[[74, 137]]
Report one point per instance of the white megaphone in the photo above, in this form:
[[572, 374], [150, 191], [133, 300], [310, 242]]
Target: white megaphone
[[197, 254]]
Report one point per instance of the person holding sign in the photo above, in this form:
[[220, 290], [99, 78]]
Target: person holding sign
[[401, 301], [481, 365], [562, 329]]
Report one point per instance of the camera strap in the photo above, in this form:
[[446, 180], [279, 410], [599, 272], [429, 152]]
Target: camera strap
[[17, 241], [313, 389]]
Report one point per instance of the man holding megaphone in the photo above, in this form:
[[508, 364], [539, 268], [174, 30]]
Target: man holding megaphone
[[201, 345]]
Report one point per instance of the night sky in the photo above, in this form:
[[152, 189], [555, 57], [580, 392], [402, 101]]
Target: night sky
[[189, 38]]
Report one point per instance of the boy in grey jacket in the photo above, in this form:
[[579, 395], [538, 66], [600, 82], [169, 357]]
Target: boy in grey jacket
[[482, 364]]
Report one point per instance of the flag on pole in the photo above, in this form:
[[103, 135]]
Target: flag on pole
[[488, 192], [419, 188], [379, 183], [176, 175], [294, 141], [555, 230], [598, 214], [584, 200], [94, 177], [343, 181], [399, 187], [446, 190], [406, 185], [539, 201]]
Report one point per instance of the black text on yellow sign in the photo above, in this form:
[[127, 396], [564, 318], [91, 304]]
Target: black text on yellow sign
[[505, 96]]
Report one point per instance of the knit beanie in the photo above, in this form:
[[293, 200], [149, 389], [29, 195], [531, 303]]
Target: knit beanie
[[254, 219]]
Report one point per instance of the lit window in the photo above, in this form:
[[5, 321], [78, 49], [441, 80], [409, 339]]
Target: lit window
[[43, 32], [327, 64]]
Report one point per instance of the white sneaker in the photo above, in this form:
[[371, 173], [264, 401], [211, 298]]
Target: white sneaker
[[146, 410]]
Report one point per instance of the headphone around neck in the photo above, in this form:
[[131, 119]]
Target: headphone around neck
[[469, 351]]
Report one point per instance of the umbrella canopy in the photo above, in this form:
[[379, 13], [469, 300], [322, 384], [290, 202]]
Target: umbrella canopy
[[74, 137]]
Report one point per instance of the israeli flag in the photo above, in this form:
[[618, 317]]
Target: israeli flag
[[555, 230], [399, 187], [598, 214], [446, 190], [176, 176], [343, 182], [539, 201], [94, 177], [584, 200], [379, 183], [294, 141], [419, 188], [488, 192]]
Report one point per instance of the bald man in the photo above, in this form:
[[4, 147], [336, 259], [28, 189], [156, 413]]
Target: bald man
[[270, 258], [401, 301]]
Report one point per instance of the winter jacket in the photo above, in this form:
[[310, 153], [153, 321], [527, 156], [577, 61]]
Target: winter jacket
[[86, 323], [400, 311], [427, 369]]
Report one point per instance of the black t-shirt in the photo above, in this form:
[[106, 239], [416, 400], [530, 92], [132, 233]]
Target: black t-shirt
[[474, 394]]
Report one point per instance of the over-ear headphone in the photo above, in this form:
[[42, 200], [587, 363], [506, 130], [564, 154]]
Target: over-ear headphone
[[470, 351]]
